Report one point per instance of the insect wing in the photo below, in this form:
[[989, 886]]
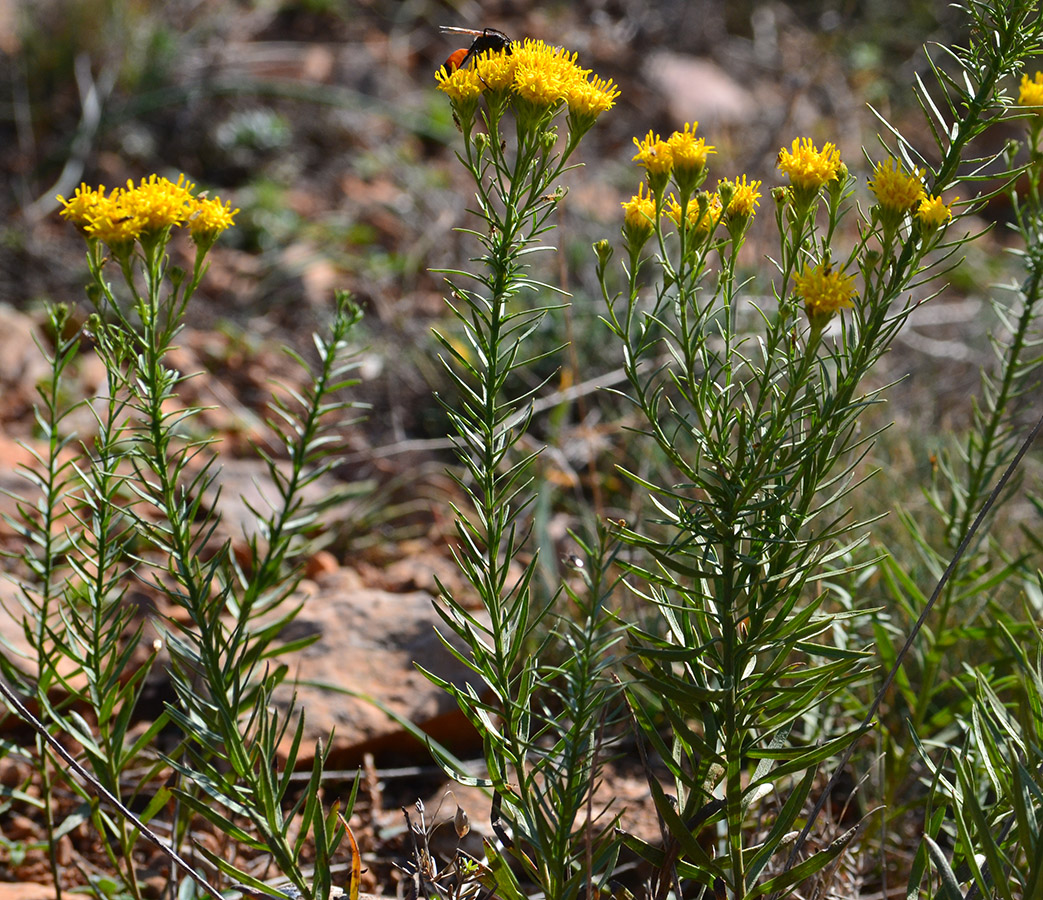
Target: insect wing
[[485, 40]]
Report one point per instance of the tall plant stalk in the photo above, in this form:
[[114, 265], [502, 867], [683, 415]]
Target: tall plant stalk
[[540, 769]]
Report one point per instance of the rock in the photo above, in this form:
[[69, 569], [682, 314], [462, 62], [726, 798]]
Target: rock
[[13, 642], [697, 90], [25, 890], [370, 642], [246, 483], [421, 568], [13, 483], [22, 363], [321, 563]]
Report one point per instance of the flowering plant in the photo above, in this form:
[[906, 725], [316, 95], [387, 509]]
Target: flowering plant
[[127, 505], [986, 787], [736, 684], [727, 621], [760, 424], [541, 768]]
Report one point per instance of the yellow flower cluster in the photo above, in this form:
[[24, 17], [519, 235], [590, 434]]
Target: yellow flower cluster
[[682, 157], [896, 190], [156, 204], [824, 292], [807, 167], [1031, 93], [933, 213], [703, 213], [682, 154], [537, 73], [745, 196]]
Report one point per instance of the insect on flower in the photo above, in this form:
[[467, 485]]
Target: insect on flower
[[484, 40]]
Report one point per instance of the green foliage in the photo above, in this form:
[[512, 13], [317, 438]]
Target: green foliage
[[539, 721], [974, 613], [734, 623], [987, 797], [745, 681], [127, 506]]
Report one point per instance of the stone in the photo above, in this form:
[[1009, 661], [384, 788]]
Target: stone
[[22, 363], [697, 90], [26, 890], [369, 645], [13, 642]]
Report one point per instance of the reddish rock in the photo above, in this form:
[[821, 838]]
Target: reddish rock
[[22, 364], [13, 642], [697, 90], [17, 454], [25, 890], [321, 563], [13, 483], [370, 643]]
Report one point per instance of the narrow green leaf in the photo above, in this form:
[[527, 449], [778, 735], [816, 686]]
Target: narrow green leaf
[[950, 886], [806, 868], [504, 884]]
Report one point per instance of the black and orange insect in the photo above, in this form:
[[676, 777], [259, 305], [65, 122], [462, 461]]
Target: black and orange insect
[[485, 39]]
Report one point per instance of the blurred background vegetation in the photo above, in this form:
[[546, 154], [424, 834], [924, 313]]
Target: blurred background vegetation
[[320, 121]]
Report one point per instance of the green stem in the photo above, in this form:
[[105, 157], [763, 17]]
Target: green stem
[[735, 725]]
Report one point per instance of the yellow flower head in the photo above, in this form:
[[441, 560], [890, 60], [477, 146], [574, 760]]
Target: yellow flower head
[[933, 213], [208, 218], [824, 292], [1031, 93], [589, 99], [543, 74], [113, 221], [107, 218], [639, 215], [462, 86], [83, 204], [745, 196], [895, 190], [654, 154], [496, 69], [158, 203], [538, 86], [703, 212], [688, 155], [808, 167]]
